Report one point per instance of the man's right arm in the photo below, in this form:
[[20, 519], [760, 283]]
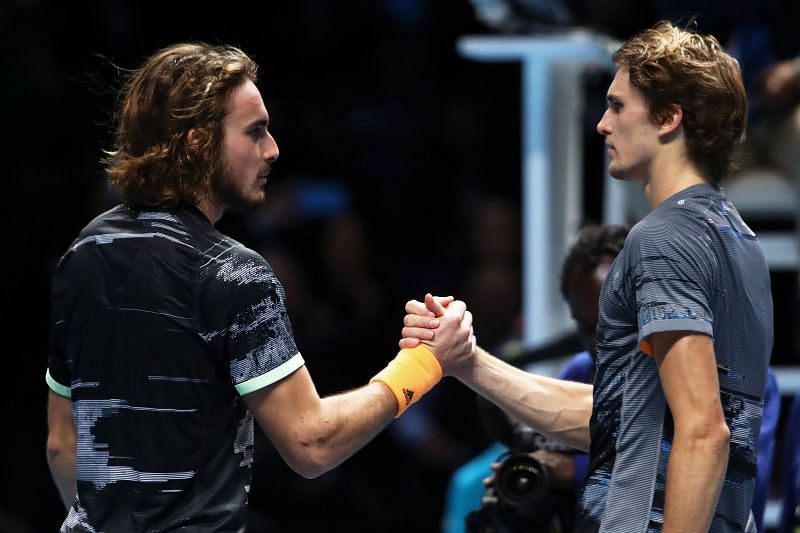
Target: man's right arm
[[61, 446], [314, 435], [556, 408]]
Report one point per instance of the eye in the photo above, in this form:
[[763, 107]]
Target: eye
[[258, 131]]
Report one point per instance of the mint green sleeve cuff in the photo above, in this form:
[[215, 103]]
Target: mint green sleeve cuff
[[57, 387], [273, 376]]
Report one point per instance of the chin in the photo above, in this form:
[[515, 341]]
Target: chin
[[622, 174]]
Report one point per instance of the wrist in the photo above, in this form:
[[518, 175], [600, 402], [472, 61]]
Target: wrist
[[412, 373]]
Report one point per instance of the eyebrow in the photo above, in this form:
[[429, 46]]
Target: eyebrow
[[261, 123], [613, 99]]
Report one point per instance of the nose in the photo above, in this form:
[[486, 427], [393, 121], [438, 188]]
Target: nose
[[271, 151], [602, 126]]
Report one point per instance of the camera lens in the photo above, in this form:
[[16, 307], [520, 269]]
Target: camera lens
[[521, 480]]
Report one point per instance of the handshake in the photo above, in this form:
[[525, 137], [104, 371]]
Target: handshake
[[444, 326], [437, 340]]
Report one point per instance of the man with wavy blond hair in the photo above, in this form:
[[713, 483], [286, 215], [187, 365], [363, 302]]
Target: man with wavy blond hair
[[685, 326]]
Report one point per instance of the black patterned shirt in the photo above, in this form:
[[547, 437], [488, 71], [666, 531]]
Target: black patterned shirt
[[160, 324]]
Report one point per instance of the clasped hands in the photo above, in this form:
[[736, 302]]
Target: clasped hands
[[444, 326]]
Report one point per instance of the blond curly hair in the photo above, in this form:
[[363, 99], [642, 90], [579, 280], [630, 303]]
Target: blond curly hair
[[672, 65]]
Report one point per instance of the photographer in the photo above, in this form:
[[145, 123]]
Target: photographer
[[532, 489]]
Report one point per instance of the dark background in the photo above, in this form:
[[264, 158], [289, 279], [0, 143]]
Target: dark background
[[394, 150]]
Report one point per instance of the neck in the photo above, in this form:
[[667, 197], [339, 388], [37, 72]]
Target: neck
[[669, 175], [210, 209]]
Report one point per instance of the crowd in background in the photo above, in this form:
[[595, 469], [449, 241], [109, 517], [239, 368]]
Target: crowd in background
[[399, 173]]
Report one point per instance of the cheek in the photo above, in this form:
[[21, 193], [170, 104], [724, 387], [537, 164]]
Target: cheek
[[240, 154]]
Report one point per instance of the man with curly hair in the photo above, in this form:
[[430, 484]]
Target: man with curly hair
[[170, 339], [685, 326]]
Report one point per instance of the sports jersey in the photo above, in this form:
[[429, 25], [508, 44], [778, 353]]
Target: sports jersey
[[160, 323], [690, 265]]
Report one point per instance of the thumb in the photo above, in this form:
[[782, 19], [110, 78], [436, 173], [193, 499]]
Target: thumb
[[433, 305]]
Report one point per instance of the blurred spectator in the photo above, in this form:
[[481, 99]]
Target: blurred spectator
[[766, 447], [790, 471]]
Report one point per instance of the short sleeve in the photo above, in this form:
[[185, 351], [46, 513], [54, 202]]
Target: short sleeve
[[253, 326], [671, 269]]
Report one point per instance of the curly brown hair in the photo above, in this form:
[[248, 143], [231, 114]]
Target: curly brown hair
[[672, 65], [593, 244], [180, 88]]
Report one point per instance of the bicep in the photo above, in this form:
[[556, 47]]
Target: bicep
[[282, 407], [687, 369], [61, 429]]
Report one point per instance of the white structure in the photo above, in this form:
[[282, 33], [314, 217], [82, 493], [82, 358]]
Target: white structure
[[552, 159]]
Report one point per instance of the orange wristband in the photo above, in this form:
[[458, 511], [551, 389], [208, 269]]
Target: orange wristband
[[412, 373]]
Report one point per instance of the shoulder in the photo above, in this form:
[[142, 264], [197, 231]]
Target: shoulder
[[677, 230], [237, 272]]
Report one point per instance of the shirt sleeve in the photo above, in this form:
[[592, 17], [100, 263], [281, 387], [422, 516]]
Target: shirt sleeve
[[671, 271], [254, 328]]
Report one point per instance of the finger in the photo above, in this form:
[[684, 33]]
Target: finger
[[488, 481], [416, 321], [408, 342], [418, 333], [466, 322], [415, 307], [444, 300], [456, 309], [432, 305]]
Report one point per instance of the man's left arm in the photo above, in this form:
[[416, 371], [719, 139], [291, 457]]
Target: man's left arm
[[688, 371], [61, 446]]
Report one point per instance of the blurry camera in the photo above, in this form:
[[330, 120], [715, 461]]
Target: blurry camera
[[521, 499], [521, 480]]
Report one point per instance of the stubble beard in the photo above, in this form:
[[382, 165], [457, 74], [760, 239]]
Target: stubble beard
[[228, 192]]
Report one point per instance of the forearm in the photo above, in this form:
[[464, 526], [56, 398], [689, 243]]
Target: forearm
[[361, 414], [556, 408], [341, 426], [62, 468], [695, 475]]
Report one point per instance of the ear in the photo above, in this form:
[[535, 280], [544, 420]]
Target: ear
[[191, 139], [195, 139], [671, 120]]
